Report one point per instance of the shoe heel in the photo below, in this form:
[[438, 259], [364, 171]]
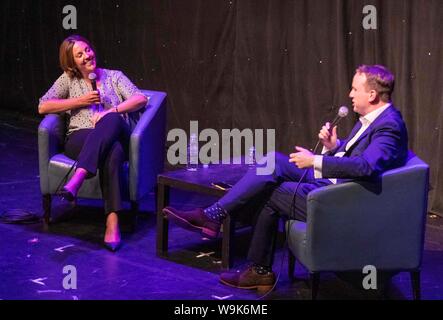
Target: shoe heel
[[112, 246], [66, 195], [209, 233]]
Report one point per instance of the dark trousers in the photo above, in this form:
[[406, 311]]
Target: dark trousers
[[104, 148], [279, 188]]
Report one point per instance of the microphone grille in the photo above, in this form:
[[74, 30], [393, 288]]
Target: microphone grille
[[343, 111], [92, 76]]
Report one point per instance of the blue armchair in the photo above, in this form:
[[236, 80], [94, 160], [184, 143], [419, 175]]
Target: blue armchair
[[146, 154], [355, 224]]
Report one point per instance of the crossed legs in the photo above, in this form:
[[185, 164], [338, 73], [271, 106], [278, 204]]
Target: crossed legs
[[102, 148]]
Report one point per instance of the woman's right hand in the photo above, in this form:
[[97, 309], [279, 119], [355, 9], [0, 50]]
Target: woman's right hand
[[61, 105], [92, 97]]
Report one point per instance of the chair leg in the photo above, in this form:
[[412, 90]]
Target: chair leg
[[46, 201], [291, 264], [134, 211], [315, 281], [415, 279]]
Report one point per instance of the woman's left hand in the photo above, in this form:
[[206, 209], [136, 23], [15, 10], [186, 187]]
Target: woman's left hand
[[97, 116]]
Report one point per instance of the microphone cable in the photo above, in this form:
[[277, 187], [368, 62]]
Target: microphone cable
[[19, 216], [342, 112], [291, 218]]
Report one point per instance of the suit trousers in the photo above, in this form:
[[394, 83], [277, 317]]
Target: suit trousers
[[279, 188], [104, 148]]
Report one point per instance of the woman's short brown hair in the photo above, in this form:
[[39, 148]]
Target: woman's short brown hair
[[66, 55]]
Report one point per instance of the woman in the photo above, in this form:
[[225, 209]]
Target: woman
[[98, 135]]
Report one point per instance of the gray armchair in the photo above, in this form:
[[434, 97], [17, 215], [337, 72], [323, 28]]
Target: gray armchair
[[355, 224], [146, 154]]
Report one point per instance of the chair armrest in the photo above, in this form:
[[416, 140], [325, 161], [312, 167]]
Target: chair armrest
[[51, 132], [147, 146], [356, 217]]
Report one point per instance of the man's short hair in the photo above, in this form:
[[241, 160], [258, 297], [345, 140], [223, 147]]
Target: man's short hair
[[378, 78]]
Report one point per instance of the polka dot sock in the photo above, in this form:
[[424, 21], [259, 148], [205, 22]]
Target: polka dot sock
[[215, 212]]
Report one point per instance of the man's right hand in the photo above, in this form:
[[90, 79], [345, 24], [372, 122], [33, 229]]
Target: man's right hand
[[92, 97], [328, 138]]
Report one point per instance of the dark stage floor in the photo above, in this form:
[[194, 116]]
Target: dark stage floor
[[32, 260]]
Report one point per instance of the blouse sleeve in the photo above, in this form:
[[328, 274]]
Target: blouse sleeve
[[126, 89], [59, 90]]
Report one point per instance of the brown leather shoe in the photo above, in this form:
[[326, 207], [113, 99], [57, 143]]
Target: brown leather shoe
[[249, 279], [194, 220]]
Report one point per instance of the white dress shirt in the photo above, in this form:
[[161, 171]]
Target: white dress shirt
[[366, 122]]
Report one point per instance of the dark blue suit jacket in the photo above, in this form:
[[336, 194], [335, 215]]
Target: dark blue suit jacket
[[383, 146]]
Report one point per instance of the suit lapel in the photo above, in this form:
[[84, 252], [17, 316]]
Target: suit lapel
[[353, 132], [371, 126]]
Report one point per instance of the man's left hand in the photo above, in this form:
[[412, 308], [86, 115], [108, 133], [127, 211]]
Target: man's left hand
[[303, 158]]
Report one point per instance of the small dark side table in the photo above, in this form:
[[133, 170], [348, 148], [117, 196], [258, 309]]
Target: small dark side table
[[197, 181]]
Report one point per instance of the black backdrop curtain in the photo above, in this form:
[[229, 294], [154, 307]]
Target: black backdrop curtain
[[284, 64]]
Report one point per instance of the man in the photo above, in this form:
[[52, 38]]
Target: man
[[377, 143]]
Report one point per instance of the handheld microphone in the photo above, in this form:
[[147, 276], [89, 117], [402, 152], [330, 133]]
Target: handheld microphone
[[342, 112], [92, 76]]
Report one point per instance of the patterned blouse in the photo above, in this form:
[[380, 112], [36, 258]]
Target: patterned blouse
[[114, 88]]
